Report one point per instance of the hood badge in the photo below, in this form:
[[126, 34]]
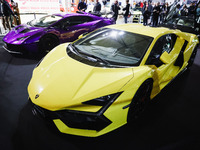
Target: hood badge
[[36, 96]]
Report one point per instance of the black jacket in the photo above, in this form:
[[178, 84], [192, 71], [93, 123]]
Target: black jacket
[[147, 12], [7, 11], [97, 7], [126, 9], [156, 10], [82, 6], [115, 8]]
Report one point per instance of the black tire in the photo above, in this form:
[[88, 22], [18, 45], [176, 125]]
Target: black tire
[[192, 57], [140, 101], [47, 43]]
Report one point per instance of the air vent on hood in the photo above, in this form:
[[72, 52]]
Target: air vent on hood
[[18, 27], [25, 30]]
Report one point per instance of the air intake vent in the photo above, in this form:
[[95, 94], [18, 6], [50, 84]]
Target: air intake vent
[[19, 27], [25, 30]]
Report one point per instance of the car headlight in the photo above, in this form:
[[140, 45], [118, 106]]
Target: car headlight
[[104, 100]]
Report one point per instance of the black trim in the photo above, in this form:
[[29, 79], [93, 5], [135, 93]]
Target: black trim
[[101, 101], [180, 59], [78, 119], [126, 106], [12, 48]]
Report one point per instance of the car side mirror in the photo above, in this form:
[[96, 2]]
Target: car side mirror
[[165, 58], [82, 35]]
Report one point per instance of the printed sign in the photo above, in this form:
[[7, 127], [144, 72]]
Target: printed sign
[[38, 6]]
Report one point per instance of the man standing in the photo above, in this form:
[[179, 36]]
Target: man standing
[[7, 11], [126, 9], [97, 7], [82, 6], [146, 12], [156, 13], [115, 8]]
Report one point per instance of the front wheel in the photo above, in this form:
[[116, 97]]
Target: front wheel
[[140, 101], [47, 43]]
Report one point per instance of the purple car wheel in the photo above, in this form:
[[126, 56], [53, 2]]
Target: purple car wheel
[[47, 43]]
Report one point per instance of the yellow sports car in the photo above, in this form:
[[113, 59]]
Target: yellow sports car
[[105, 79]]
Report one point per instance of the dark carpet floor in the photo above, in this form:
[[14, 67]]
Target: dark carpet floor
[[171, 122]]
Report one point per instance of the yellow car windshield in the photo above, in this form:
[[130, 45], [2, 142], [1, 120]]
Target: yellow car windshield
[[115, 46]]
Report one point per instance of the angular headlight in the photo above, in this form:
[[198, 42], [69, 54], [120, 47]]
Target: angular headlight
[[104, 100]]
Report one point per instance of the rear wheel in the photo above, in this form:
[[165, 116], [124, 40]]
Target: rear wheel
[[140, 101], [47, 43], [192, 57]]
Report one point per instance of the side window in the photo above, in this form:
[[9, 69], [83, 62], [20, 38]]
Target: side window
[[168, 42], [85, 19], [164, 43], [71, 21], [75, 20], [63, 24]]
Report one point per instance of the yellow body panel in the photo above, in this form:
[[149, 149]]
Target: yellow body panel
[[62, 83], [83, 83]]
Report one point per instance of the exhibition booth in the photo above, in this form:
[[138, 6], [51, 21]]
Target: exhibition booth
[[87, 82]]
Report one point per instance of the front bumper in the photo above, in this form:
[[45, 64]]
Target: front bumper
[[83, 123], [75, 119], [20, 49], [15, 49]]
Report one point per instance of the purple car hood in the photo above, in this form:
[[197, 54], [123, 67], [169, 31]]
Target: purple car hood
[[20, 33]]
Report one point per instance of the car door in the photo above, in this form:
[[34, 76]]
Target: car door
[[71, 27], [165, 58], [80, 25]]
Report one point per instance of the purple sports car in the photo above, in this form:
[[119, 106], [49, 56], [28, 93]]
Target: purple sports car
[[44, 34]]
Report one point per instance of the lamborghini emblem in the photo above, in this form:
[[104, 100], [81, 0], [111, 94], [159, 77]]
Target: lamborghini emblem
[[36, 96]]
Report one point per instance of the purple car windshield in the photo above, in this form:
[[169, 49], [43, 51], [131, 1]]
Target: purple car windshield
[[45, 21]]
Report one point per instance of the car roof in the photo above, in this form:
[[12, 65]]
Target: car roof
[[74, 14], [140, 29]]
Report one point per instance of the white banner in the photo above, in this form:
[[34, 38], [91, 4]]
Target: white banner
[[38, 6]]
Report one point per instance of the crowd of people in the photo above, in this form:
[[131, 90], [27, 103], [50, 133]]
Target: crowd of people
[[155, 13], [82, 6], [9, 14]]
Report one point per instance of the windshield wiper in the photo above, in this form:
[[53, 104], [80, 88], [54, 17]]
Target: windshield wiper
[[95, 57], [73, 49], [88, 56]]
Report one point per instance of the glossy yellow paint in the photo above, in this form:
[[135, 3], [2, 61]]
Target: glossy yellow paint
[[64, 83], [55, 88]]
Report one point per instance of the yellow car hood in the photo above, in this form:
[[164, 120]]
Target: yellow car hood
[[60, 81]]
